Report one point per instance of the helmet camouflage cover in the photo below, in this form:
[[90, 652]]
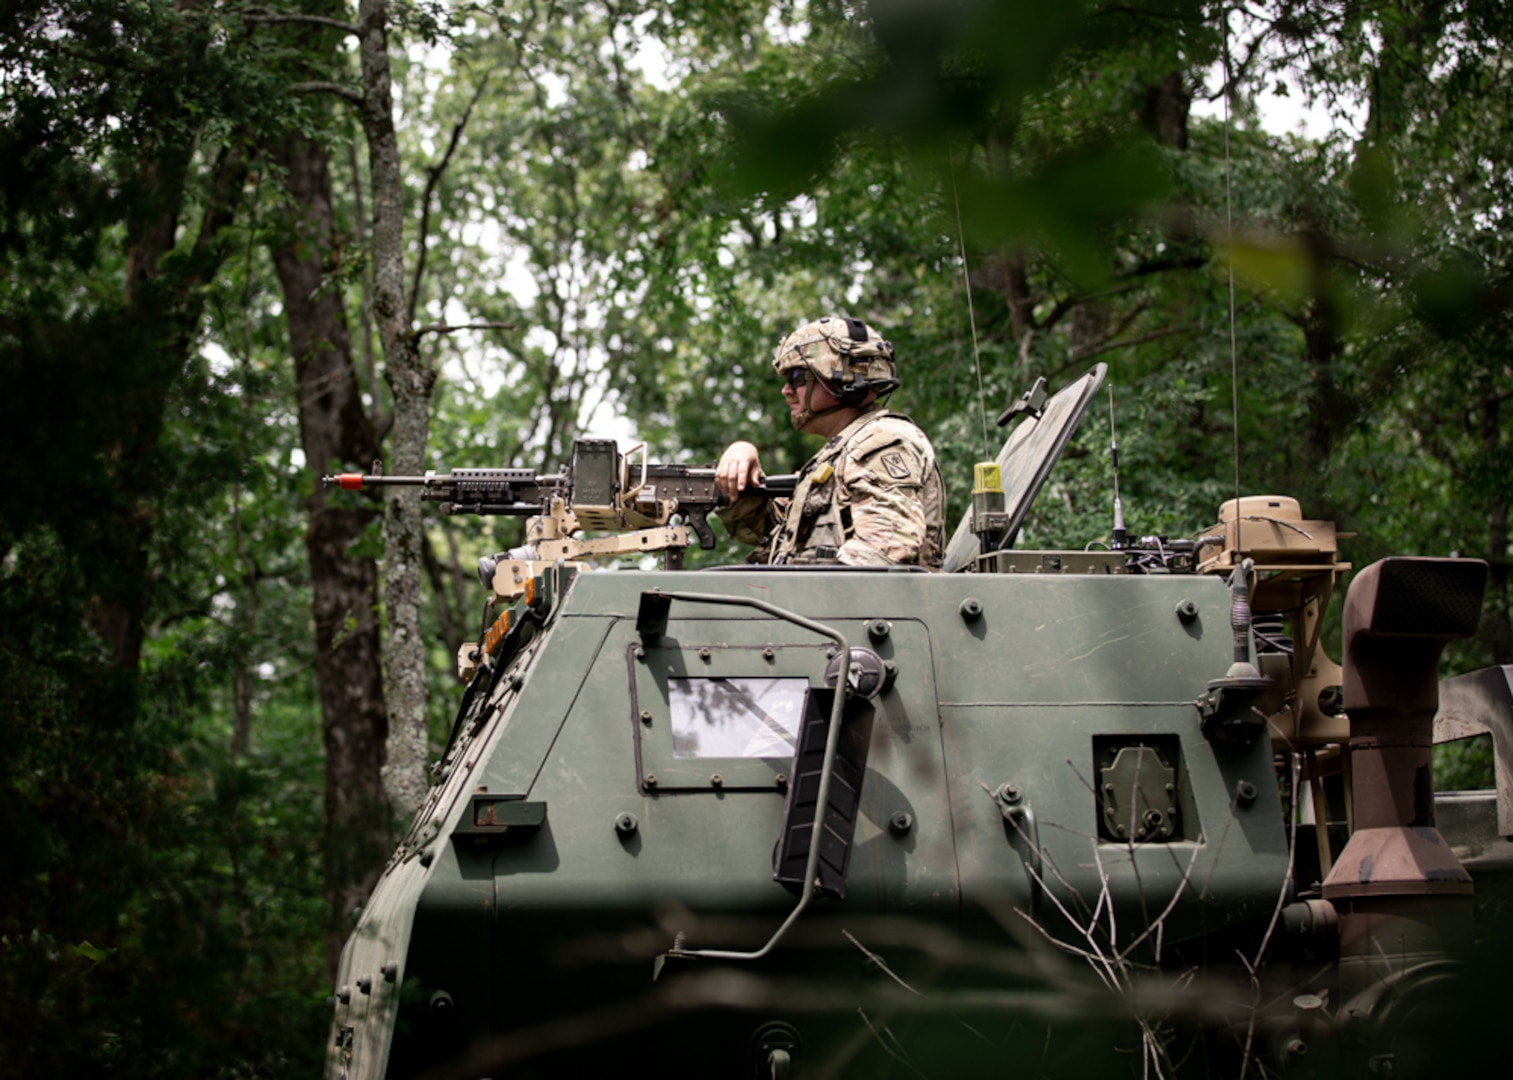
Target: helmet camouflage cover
[[843, 352]]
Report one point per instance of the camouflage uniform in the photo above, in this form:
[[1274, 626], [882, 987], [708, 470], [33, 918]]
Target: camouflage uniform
[[871, 497]]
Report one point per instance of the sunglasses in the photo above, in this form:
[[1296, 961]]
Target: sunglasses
[[797, 378]]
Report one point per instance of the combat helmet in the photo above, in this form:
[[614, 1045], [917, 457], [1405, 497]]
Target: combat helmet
[[850, 357]]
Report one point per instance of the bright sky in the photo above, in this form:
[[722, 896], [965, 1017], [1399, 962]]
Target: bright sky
[[1289, 115]]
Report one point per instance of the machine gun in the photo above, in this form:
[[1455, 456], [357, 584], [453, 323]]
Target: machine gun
[[602, 491]]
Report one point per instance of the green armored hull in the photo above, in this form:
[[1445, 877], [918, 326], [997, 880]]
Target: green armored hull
[[574, 838], [1064, 811]]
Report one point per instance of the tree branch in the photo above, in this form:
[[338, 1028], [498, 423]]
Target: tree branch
[[229, 175], [447, 328], [316, 20], [1102, 344], [1138, 339], [433, 177], [344, 92]]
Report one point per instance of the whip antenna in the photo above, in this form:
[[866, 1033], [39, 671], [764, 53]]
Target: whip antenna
[[1229, 219], [1117, 539], [966, 281]]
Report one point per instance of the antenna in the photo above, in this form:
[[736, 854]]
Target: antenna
[[1117, 539], [1229, 224], [966, 282]]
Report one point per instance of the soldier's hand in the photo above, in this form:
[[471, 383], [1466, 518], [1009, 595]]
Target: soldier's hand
[[738, 468]]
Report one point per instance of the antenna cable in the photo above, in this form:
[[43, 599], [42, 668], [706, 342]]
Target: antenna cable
[[966, 281]]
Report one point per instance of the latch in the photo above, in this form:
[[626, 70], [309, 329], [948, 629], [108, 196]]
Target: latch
[[500, 815]]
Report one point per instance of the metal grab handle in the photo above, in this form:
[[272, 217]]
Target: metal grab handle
[[832, 743]]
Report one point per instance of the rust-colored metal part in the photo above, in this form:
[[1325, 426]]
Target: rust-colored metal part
[[1481, 703], [1401, 893]]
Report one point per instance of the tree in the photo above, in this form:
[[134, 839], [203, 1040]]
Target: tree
[[128, 131], [335, 428]]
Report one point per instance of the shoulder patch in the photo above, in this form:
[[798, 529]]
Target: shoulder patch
[[894, 462]]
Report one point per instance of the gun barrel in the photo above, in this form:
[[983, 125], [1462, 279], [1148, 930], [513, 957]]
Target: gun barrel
[[357, 481], [464, 479]]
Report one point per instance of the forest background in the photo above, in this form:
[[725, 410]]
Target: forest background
[[245, 244]]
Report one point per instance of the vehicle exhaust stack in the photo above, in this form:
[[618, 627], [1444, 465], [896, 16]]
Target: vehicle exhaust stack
[[1404, 898]]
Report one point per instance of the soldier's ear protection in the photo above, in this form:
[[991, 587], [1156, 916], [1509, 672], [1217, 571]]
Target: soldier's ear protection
[[848, 388]]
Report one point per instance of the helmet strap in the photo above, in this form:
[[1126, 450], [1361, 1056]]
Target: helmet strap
[[809, 412]]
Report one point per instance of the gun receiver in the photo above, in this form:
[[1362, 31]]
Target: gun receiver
[[603, 491]]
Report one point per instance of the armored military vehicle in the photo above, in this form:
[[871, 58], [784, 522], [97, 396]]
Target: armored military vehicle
[[1107, 811]]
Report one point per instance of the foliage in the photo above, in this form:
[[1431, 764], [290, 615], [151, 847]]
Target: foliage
[[144, 868], [652, 193]]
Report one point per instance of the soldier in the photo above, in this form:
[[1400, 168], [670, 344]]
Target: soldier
[[872, 496]]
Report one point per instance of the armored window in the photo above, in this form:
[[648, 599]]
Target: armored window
[[715, 716], [735, 717]]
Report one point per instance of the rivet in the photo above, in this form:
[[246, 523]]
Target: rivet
[[1187, 611], [716, 780], [645, 716], [767, 653], [365, 984], [781, 780], [1009, 793], [900, 823], [389, 971], [971, 609], [650, 780], [704, 654], [441, 1001], [1245, 792], [640, 653], [878, 629], [626, 824], [344, 995]]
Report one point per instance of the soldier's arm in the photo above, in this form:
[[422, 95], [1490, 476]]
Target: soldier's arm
[[750, 518], [886, 506]]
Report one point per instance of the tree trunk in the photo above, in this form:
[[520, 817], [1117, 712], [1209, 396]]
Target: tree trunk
[[1500, 625], [1089, 329], [164, 300], [1166, 109], [334, 431], [411, 381], [1016, 293], [1331, 406]]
